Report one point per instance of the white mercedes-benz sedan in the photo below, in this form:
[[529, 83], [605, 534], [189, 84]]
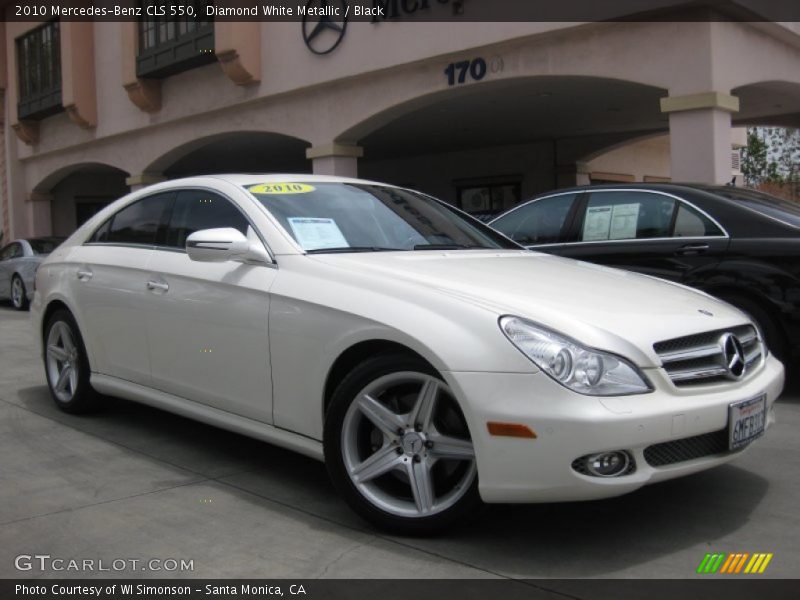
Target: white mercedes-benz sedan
[[432, 363]]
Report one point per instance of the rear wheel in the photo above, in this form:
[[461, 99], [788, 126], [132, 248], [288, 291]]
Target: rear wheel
[[398, 448], [67, 366], [19, 295]]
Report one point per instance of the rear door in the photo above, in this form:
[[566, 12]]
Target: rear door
[[109, 277], [645, 231], [207, 323]]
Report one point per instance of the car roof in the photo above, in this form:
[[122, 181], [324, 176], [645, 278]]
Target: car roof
[[252, 178], [665, 187]]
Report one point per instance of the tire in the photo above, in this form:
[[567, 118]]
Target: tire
[[65, 351], [393, 421], [773, 334], [19, 295]]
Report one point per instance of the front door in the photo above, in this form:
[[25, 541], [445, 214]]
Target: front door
[[207, 322]]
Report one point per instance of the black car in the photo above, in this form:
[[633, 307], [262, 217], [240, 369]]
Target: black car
[[737, 244]]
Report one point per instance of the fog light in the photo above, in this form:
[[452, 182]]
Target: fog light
[[605, 464]]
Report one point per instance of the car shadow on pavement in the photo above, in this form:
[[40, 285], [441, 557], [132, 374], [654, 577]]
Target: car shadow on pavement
[[554, 540]]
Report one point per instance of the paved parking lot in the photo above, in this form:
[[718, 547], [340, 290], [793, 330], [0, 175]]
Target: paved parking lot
[[135, 482]]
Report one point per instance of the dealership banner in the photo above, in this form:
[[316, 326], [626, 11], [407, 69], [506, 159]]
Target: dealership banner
[[391, 589], [378, 11]]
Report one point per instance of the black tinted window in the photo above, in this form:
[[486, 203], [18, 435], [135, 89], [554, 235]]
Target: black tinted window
[[195, 210], [691, 223], [539, 222], [11, 251], [627, 215], [139, 223], [766, 204]]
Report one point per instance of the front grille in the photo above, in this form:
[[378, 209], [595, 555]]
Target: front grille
[[668, 453], [699, 358]]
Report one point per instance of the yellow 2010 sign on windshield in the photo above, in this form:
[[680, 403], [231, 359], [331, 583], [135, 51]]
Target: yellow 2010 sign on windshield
[[281, 188]]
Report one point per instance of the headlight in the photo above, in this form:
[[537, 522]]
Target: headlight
[[581, 369]]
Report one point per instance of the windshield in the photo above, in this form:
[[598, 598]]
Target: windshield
[[348, 217], [771, 206]]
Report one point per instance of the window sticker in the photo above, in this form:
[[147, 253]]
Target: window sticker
[[597, 223], [624, 218], [314, 233], [281, 188], [617, 222]]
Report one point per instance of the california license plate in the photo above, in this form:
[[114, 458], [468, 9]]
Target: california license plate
[[746, 421]]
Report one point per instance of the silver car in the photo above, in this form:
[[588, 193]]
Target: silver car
[[18, 263]]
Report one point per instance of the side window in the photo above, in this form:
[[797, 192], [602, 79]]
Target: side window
[[142, 222], [627, 216], [101, 233], [539, 222], [7, 252], [691, 223], [197, 209], [15, 250]]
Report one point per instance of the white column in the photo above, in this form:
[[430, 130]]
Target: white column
[[700, 136], [335, 159]]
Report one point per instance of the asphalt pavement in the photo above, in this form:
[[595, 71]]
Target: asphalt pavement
[[134, 483]]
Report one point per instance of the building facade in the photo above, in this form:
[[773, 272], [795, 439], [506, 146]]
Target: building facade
[[479, 114]]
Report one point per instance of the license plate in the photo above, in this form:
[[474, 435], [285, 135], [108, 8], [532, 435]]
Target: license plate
[[746, 421]]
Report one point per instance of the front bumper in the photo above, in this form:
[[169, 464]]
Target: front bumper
[[569, 425]]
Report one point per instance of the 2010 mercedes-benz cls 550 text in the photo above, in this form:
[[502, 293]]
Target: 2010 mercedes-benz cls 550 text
[[429, 361]]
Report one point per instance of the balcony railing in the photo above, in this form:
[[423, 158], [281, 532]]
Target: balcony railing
[[39, 72], [168, 46]]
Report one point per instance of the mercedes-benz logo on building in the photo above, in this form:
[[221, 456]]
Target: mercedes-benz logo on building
[[324, 24], [733, 355]]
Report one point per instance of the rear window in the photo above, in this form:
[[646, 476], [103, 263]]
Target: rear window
[[45, 246], [783, 210]]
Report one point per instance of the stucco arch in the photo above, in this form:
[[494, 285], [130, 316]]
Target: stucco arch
[[768, 102], [511, 101], [46, 184], [229, 151]]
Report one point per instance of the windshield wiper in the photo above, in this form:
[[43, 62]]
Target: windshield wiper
[[449, 247], [344, 249]]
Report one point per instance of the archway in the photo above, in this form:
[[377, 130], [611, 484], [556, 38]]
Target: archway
[[234, 152], [77, 192], [485, 147]]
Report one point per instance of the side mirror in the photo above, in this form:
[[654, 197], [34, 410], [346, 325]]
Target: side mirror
[[224, 244]]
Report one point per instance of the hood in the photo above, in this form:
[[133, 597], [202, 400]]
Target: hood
[[605, 308]]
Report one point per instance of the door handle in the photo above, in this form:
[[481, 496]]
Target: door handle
[[84, 274], [692, 249], [157, 285]]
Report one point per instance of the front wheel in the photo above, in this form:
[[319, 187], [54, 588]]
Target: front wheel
[[19, 295], [398, 448], [67, 366], [774, 335]]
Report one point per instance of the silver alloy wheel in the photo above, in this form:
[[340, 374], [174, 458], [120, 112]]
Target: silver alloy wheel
[[17, 292], [62, 361], [427, 471]]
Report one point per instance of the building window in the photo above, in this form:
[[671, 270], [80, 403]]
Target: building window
[[484, 200], [39, 63], [171, 44]]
